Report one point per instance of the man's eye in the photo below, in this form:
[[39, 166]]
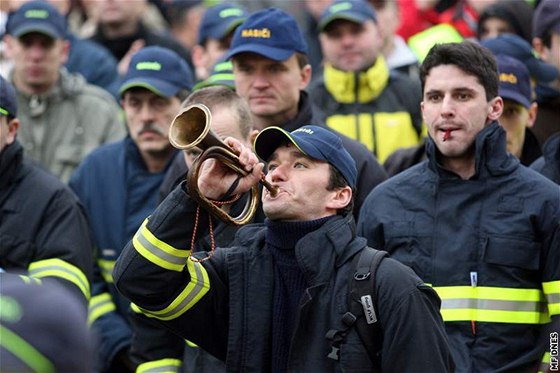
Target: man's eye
[[271, 167], [299, 165]]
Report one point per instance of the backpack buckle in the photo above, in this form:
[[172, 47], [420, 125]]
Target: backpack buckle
[[359, 276]]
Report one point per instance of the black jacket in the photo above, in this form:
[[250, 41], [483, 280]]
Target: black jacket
[[225, 304], [43, 228]]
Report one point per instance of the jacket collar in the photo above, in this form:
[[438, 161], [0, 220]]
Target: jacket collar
[[348, 87], [322, 251], [319, 252], [491, 156]]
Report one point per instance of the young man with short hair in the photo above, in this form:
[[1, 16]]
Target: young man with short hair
[[482, 229]]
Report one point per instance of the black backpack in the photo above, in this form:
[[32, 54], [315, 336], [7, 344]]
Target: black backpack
[[362, 304]]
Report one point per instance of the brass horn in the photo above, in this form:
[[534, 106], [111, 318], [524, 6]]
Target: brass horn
[[191, 128]]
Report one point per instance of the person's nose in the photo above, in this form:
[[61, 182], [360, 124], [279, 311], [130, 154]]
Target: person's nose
[[146, 114], [260, 81], [347, 40], [36, 51], [279, 173], [447, 107]]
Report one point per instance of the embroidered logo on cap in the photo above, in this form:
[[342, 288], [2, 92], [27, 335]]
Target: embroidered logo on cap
[[37, 13], [146, 65], [508, 78], [263, 33], [231, 12]]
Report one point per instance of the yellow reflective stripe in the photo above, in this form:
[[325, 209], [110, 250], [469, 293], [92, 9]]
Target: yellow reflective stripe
[[59, 268], [106, 267], [191, 344], [99, 305], [451, 292], [160, 366], [196, 289], [25, 352], [135, 308], [492, 304], [552, 293], [157, 251]]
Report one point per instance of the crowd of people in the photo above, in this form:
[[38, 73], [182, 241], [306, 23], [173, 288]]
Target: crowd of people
[[408, 148]]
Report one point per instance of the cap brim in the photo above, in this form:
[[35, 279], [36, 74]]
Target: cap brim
[[44, 29], [352, 17], [508, 94], [155, 86], [275, 54], [541, 71], [269, 139]]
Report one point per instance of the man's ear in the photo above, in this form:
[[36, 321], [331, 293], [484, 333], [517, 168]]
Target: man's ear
[[539, 48], [341, 198], [495, 108], [305, 77], [253, 136], [65, 52], [13, 126], [199, 60], [533, 109]]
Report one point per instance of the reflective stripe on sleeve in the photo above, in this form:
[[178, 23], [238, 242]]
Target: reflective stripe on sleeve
[[493, 304], [160, 366], [59, 268], [196, 289], [106, 268], [552, 293], [100, 305], [157, 251]]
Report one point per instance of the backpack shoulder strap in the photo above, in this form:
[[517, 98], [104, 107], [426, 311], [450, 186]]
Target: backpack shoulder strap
[[362, 301]]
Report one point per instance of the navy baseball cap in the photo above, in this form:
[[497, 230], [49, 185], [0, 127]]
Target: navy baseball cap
[[159, 70], [518, 48], [515, 82], [357, 11], [316, 142], [546, 18], [270, 32], [8, 99], [37, 16], [219, 20], [222, 74]]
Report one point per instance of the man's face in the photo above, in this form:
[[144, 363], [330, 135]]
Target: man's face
[[116, 12], [8, 131], [302, 187], [493, 27], [553, 57], [148, 117], [37, 59], [225, 123], [455, 101], [515, 119], [350, 46], [271, 88]]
